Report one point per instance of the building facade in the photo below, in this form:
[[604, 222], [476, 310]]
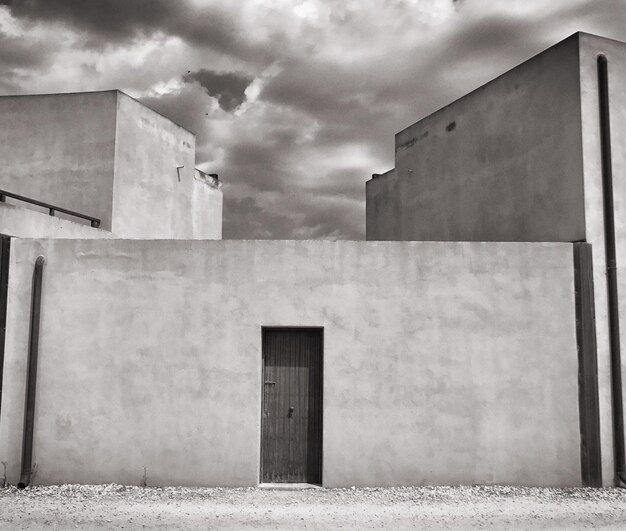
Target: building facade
[[467, 342], [105, 155], [537, 154]]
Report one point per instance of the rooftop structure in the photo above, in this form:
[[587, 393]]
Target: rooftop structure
[[105, 155]]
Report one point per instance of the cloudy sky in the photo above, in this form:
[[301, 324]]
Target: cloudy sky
[[294, 102]]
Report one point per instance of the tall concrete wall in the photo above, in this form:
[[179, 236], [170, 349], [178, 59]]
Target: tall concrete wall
[[59, 148], [503, 163], [444, 363], [25, 223], [149, 200], [591, 46]]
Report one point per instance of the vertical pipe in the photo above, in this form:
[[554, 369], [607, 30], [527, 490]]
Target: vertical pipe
[[5, 247], [611, 272], [31, 378]]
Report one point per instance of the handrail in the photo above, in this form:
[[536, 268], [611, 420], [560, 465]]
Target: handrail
[[95, 222]]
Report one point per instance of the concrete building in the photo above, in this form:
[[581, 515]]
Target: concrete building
[[105, 155], [523, 158], [479, 357]]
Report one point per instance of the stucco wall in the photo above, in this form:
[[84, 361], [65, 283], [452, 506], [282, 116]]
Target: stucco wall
[[26, 223], [503, 163], [106, 155], [444, 363], [59, 148], [615, 52], [206, 207], [382, 212], [149, 201]]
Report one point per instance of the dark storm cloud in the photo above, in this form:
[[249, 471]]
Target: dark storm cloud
[[19, 55], [347, 105], [109, 22], [352, 98], [337, 80], [346, 184], [369, 101], [606, 19], [184, 107], [488, 35], [264, 198], [9, 83], [487, 47], [332, 219], [289, 217], [254, 158], [228, 87], [15, 52], [114, 19], [321, 88], [249, 218]]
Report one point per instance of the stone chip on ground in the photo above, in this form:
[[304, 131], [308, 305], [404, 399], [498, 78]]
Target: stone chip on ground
[[117, 506]]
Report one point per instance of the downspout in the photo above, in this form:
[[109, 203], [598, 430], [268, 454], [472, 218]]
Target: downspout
[[5, 247], [31, 378], [611, 273]]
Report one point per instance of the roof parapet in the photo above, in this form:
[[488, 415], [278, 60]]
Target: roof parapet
[[210, 179]]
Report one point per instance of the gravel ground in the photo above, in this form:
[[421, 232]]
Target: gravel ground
[[115, 506]]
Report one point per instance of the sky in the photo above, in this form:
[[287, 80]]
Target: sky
[[294, 103]]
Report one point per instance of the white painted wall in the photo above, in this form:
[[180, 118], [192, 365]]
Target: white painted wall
[[59, 149], [106, 155], [502, 163], [149, 200], [26, 223], [444, 363]]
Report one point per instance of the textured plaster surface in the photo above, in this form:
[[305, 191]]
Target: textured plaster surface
[[59, 149], [382, 212], [206, 207], [26, 223], [503, 163], [106, 155], [152, 198], [444, 363]]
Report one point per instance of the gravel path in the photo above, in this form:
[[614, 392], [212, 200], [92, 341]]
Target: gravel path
[[114, 506]]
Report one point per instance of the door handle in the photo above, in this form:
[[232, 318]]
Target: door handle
[[269, 383], [290, 414]]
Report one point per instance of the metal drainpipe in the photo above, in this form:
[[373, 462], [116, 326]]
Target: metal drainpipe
[[31, 378], [5, 247], [611, 273]]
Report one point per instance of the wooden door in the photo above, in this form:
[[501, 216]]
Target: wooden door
[[291, 425]]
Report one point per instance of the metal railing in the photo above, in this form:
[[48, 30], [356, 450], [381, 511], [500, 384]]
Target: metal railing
[[52, 209]]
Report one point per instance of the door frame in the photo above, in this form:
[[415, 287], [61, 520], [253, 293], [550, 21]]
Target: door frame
[[268, 328]]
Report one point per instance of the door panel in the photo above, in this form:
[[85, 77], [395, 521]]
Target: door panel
[[291, 441]]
